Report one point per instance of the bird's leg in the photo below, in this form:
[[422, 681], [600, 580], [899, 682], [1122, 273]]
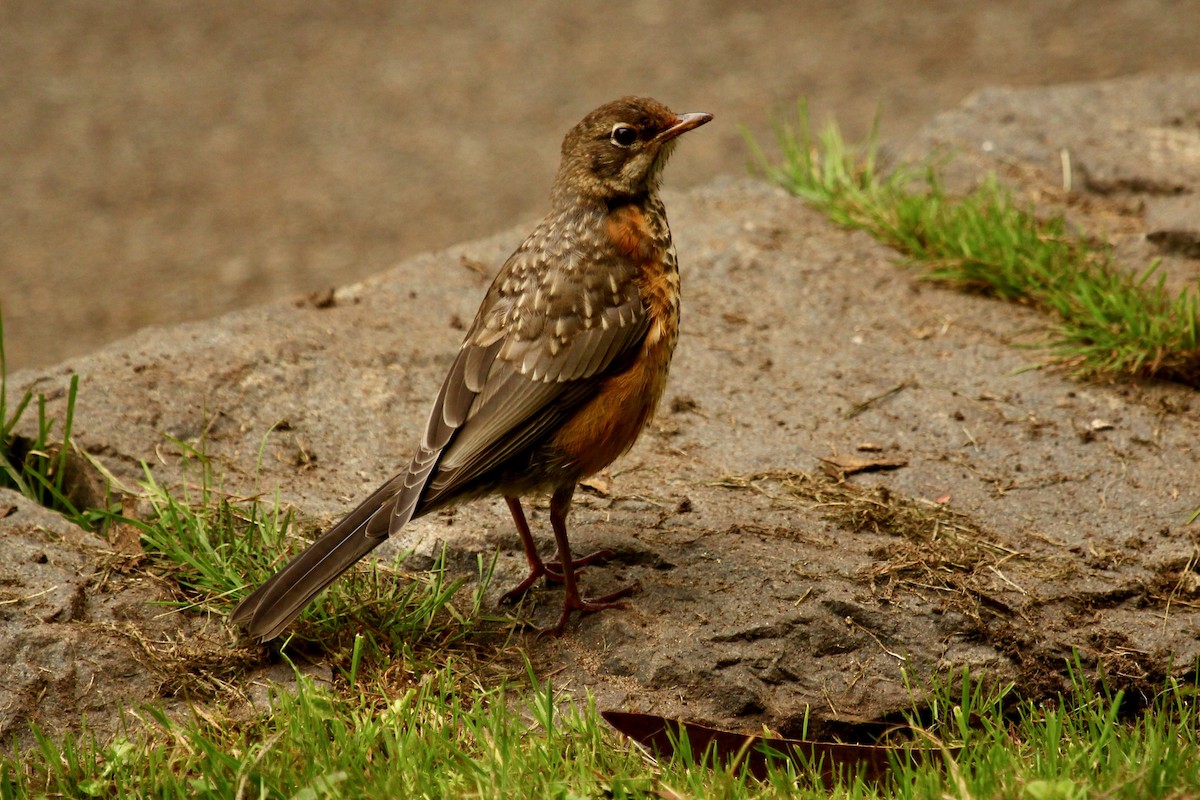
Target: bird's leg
[[560, 504], [552, 570], [537, 568]]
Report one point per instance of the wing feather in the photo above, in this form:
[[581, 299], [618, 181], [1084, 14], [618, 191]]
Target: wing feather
[[523, 384]]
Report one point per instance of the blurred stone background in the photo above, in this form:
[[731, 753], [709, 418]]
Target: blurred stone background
[[163, 161]]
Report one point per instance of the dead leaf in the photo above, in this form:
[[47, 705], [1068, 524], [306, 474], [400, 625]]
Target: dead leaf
[[7, 511], [831, 758], [597, 484], [322, 299], [126, 539], [840, 467]]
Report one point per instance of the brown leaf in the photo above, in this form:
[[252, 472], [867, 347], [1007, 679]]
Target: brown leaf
[[840, 467], [325, 298], [832, 758], [478, 267], [126, 539], [597, 484]]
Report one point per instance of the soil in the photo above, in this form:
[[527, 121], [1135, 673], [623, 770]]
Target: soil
[[166, 162]]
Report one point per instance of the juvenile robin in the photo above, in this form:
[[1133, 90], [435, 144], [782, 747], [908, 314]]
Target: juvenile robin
[[560, 371]]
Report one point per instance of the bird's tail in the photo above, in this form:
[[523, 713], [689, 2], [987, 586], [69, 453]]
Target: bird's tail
[[273, 606]]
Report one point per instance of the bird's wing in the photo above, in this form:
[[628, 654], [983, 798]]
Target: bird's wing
[[543, 339]]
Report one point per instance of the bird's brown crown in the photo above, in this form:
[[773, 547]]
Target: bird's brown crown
[[619, 149]]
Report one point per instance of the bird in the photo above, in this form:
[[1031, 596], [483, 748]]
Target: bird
[[560, 371]]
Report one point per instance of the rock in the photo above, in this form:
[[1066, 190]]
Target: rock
[[1173, 224], [1005, 542], [69, 649]]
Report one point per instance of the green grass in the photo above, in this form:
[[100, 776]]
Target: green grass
[[415, 710], [37, 466], [448, 737], [215, 548], [1107, 322], [428, 699]]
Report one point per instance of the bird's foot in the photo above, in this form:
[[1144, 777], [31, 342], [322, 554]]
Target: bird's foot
[[588, 605], [554, 568], [514, 594], [552, 572]]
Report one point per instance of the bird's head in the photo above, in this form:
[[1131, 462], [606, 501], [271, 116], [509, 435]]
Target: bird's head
[[619, 149]]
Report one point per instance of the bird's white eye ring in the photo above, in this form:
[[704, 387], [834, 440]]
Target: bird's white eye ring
[[623, 135]]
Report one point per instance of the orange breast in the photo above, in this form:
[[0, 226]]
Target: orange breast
[[628, 229], [608, 424]]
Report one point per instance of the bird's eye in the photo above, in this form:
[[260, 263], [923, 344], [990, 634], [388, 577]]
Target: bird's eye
[[623, 135]]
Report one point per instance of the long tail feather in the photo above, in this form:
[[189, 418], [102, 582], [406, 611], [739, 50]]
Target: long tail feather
[[273, 606]]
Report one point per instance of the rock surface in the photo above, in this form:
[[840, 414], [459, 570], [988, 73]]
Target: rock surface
[[76, 638], [1032, 515]]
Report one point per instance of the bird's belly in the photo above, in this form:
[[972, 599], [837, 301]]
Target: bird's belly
[[609, 423]]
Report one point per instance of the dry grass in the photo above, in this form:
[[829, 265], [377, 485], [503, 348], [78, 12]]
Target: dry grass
[[931, 548]]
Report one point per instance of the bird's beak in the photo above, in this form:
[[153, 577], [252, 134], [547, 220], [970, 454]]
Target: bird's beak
[[685, 123]]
